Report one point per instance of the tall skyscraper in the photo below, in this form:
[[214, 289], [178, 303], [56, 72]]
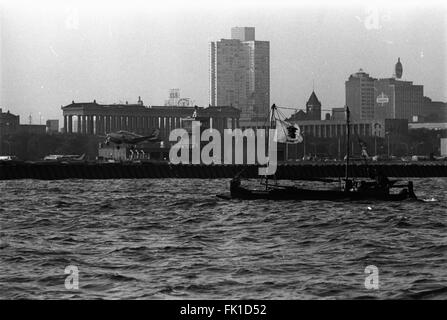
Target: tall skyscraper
[[360, 95], [240, 74]]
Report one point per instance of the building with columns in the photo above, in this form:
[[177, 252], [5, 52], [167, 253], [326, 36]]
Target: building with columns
[[98, 119], [337, 128]]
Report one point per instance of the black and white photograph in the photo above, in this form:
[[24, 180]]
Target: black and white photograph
[[223, 154]]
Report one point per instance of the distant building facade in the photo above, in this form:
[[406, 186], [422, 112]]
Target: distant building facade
[[397, 99], [337, 128], [98, 119], [360, 128], [52, 126], [390, 98], [313, 110], [313, 107], [359, 90], [10, 125], [176, 100], [338, 114], [396, 127], [240, 74], [334, 125], [33, 128], [434, 111]]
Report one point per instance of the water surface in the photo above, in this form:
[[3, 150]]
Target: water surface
[[173, 239]]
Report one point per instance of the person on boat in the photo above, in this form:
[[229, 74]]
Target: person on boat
[[236, 189], [235, 183], [382, 180], [363, 186], [348, 185]]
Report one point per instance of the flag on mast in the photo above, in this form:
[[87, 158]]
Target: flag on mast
[[286, 132]]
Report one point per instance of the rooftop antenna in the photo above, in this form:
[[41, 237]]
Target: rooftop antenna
[[313, 85]]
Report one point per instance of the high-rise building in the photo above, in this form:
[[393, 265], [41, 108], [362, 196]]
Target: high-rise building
[[243, 33], [397, 99], [240, 74], [360, 95], [388, 98]]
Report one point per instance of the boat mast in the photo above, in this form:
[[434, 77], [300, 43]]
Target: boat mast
[[347, 149], [272, 116], [272, 125]]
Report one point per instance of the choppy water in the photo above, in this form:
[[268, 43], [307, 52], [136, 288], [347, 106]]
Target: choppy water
[[173, 239]]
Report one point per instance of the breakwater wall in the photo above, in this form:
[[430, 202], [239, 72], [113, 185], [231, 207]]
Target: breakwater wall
[[138, 170]]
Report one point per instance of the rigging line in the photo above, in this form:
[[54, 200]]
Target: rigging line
[[283, 121], [289, 108], [280, 114], [276, 116]]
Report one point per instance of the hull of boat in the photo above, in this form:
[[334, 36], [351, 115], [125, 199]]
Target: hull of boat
[[292, 193]]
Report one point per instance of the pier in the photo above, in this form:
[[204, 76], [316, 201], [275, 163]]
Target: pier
[[49, 170]]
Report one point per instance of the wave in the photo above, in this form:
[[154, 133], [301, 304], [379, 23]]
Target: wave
[[174, 239]]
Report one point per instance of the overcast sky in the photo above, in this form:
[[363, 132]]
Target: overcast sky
[[56, 52]]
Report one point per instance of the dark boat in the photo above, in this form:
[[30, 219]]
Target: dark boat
[[357, 192], [378, 189]]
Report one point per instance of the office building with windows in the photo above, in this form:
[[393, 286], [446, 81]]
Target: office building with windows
[[240, 74]]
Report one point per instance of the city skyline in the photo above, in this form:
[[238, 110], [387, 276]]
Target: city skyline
[[84, 53]]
